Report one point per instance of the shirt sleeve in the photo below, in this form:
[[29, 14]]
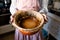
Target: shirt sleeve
[[13, 7], [44, 6]]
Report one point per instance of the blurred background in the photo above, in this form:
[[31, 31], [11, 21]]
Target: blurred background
[[51, 30]]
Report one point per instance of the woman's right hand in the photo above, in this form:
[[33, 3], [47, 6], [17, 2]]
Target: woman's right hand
[[11, 19]]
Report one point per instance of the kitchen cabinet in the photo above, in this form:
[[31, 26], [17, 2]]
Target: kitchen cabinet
[[4, 19]]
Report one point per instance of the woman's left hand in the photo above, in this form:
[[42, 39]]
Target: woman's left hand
[[45, 17]]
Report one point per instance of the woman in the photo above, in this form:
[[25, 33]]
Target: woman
[[36, 5]]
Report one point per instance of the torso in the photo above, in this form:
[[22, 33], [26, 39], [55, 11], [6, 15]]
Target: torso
[[28, 4]]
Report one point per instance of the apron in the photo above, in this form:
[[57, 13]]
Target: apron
[[20, 36]]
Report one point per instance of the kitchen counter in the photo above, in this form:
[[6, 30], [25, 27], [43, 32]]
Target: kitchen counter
[[6, 29], [53, 25]]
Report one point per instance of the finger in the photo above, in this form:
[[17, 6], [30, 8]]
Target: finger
[[11, 19], [45, 17]]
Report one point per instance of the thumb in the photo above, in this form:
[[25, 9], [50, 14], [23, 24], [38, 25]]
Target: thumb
[[45, 17], [11, 19]]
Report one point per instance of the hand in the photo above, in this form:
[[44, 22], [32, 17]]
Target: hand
[[11, 19], [45, 17], [12, 16]]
